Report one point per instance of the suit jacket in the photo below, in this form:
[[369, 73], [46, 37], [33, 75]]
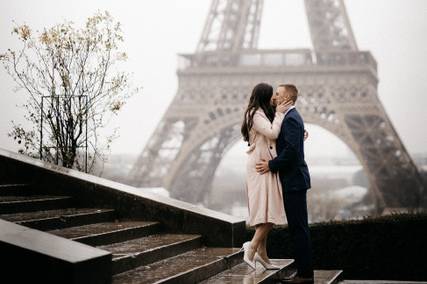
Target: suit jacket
[[290, 163]]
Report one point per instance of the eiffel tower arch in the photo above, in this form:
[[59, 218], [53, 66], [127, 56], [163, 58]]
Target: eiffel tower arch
[[338, 87]]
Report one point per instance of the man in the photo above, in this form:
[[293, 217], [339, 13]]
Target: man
[[295, 180]]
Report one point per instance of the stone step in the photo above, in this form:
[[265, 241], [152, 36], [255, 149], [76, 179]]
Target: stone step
[[242, 273], [15, 189], [190, 267], [133, 253], [320, 276], [61, 218], [15, 204], [328, 276], [33, 256], [108, 232]]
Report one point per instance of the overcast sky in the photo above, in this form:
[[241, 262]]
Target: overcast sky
[[156, 30]]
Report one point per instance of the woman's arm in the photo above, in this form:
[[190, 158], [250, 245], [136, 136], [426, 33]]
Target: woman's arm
[[263, 125]]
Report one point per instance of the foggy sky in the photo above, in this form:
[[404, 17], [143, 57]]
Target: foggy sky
[[155, 31]]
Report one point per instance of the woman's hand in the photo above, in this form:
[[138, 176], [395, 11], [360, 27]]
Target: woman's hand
[[283, 107], [305, 134]]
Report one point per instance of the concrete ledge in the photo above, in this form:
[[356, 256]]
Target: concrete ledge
[[216, 228], [33, 256]]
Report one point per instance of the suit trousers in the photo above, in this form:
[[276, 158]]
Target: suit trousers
[[296, 214]]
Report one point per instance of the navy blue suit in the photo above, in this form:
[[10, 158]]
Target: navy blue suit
[[295, 180], [290, 163]]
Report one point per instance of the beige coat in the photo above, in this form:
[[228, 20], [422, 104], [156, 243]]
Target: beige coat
[[264, 192]]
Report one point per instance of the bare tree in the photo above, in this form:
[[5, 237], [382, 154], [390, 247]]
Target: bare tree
[[72, 70]]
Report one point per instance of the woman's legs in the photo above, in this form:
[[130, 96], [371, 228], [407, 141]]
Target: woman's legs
[[259, 238], [262, 248]]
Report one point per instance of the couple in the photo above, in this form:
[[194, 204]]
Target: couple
[[277, 175]]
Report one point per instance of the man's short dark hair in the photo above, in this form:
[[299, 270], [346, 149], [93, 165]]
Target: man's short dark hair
[[293, 91]]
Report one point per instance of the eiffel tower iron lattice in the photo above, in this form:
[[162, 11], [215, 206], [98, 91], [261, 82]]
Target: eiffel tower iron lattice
[[338, 87]]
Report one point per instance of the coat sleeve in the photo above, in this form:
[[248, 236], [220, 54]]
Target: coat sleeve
[[269, 129], [289, 153]]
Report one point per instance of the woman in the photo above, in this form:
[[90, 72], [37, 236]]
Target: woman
[[260, 129]]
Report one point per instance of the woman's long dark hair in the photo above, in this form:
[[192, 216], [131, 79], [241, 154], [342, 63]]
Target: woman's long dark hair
[[260, 98]]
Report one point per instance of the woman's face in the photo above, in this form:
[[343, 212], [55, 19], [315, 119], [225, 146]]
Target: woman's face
[[273, 100]]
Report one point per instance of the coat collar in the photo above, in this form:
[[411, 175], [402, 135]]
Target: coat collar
[[289, 110]]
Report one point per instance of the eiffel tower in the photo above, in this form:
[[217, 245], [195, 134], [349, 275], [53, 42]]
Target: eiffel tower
[[338, 87]]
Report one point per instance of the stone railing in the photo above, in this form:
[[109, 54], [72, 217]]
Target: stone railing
[[217, 229]]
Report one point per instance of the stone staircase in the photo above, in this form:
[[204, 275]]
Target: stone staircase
[[145, 248], [142, 251]]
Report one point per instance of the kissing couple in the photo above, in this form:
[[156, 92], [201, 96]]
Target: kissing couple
[[277, 176]]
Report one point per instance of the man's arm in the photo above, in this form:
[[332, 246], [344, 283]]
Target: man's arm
[[289, 153]]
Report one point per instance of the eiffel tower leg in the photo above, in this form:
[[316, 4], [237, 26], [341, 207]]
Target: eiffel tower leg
[[386, 160], [356, 116], [162, 148], [216, 106], [197, 128], [191, 180]]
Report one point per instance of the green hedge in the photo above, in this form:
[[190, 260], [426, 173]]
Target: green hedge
[[390, 247]]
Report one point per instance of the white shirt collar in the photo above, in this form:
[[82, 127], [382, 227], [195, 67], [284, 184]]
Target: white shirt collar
[[292, 107]]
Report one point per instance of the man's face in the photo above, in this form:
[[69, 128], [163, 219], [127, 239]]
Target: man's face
[[280, 96]]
